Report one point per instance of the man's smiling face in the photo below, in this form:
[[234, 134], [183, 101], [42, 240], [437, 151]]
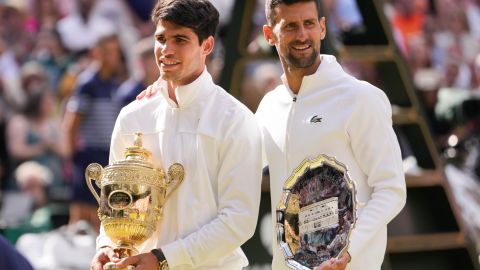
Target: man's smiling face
[[297, 33], [179, 55]]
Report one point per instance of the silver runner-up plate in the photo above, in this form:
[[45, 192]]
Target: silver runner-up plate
[[316, 213]]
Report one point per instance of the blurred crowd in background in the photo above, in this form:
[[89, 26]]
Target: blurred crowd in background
[[51, 49]]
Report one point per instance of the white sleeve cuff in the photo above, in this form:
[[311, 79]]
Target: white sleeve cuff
[[176, 254]]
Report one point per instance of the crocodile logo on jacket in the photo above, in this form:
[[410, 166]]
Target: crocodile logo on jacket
[[315, 119]]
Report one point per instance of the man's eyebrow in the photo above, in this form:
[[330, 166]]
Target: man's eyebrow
[[181, 36], [174, 36]]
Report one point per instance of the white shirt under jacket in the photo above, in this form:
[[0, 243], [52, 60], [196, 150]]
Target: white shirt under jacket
[[218, 141], [356, 129]]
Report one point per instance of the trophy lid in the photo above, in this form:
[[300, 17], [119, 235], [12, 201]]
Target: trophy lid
[[137, 152]]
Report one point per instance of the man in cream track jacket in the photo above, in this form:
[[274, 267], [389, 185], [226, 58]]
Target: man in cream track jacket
[[199, 125], [320, 109]]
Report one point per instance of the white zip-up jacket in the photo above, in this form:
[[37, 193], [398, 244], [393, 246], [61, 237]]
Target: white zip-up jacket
[[342, 117], [218, 141]]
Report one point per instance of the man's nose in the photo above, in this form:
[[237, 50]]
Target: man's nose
[[302, 33], [167, 48]]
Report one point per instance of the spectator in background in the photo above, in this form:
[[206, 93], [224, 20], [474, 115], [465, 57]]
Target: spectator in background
[[3, 151], [32, 179], [419, 56], [476, 76], [42, 15], [89, 20], [11, 94], [260, 78], [427, 82], [89, 119], [34, 133], [472, 12], [50, 52], [13, 30], [26, 210], [140, 10], [147, 75], [345, 20], [407, 22]]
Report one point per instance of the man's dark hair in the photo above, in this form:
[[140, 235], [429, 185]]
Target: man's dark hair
[[199, 15], [270, 6]]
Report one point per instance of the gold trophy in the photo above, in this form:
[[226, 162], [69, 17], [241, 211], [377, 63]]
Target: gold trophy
[[132, 194]]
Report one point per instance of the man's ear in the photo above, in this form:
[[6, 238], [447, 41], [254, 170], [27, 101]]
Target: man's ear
[[208, 44], [268, 34], [324, 28]]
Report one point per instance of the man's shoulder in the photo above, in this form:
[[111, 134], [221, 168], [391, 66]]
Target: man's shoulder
[[278, 95], [227, 103], [141, 108], [224, 113], [361, 90]]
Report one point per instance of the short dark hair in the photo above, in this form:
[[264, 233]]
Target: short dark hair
[[199, 15], [270, 6]]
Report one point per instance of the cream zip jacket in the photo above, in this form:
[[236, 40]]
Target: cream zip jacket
[[342, 117], [218, 141]]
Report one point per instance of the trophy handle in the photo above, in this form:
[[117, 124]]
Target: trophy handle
[[93, 172], [175, 175]]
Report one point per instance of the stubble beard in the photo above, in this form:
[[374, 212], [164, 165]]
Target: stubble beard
[[302, 62]]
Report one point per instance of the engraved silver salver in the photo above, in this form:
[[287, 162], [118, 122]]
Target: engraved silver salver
[[316, 213]]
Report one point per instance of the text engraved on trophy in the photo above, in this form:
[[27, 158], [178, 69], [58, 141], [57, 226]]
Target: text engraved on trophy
[[132, 177], [318, 216], [119, 200]]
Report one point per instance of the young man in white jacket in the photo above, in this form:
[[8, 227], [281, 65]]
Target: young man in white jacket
[[199, 125], [320, 109]]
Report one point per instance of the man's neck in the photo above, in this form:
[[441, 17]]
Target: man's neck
[[294, 76], [171, 91]]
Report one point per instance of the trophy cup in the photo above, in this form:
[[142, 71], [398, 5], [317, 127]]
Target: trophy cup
[[316, 213], [132, 194]]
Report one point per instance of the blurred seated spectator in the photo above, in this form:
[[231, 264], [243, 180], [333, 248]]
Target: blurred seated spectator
[[141, 10], [13, 30], [68, 247], [260, 78], [345, 21], [34, 133], [427, 82], [4, 160], [26, 210], [42, 14], [407, 22]]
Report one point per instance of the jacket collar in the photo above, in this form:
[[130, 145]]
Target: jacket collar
[[328, 71], [188, 94]]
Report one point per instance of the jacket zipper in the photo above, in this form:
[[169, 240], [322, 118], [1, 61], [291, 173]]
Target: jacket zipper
[[287, 135]]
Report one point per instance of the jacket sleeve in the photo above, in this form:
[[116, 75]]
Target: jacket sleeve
[[376, 149], [238, 196]]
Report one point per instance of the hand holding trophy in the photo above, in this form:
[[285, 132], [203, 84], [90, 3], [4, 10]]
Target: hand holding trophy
[[132, 194], [316, 214]]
